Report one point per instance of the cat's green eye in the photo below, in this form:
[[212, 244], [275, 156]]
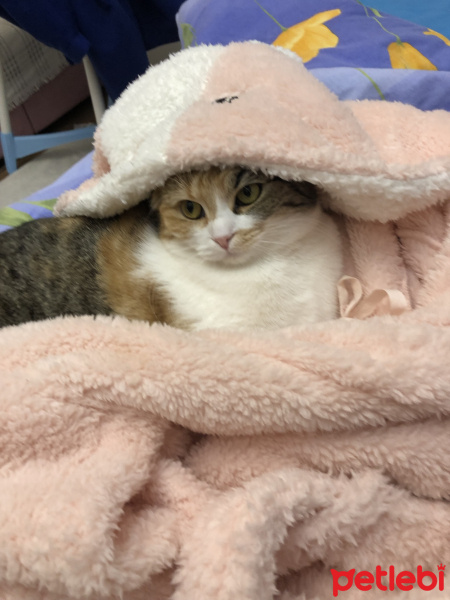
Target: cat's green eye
[[191, 210], [248, 194]]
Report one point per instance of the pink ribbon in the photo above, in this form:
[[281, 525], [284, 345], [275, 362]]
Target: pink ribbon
[[354, 305]]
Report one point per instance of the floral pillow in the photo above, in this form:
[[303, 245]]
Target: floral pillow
[[355, 50], [40, 204], [21, 212]]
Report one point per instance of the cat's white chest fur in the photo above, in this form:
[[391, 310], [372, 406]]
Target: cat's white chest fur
[[295, 284]]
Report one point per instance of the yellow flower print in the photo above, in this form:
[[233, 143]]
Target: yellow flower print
[[308, 37], [405, 56], [439, 35], [402, 54]]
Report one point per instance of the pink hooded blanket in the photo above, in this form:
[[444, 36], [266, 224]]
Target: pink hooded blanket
[[143, 462]]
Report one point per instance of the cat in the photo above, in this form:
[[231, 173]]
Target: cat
[[216, 248]]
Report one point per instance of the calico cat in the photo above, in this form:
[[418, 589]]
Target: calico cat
[[216, 248]]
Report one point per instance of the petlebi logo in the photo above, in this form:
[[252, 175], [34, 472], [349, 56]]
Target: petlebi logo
[[387, 580]]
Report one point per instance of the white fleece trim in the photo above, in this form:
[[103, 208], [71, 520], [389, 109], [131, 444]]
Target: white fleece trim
[[369, 197], [136, 133], [140, 125]]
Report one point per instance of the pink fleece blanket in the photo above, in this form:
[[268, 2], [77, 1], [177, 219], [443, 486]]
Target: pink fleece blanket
[[143, 462]]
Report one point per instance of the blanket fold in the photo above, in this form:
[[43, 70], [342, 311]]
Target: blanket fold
[[96, 466], [143, 462]]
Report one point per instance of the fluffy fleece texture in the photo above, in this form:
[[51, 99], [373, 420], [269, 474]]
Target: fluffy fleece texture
[[256, 105], [153, 463], [142, 462]]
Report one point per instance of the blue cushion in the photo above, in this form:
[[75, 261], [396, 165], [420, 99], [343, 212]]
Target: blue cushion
[[356, 51]]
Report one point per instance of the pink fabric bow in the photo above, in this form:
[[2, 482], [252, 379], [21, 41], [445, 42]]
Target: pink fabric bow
[[353, 304]]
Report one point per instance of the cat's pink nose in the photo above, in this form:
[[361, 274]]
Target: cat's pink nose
[[223, 241]]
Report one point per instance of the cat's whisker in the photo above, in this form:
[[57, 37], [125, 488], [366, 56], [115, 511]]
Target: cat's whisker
[[271, 243]]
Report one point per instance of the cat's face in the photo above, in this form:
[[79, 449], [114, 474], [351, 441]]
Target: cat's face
[[233, 215]]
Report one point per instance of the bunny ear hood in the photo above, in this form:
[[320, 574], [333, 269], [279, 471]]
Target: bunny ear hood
[[257, 106]]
